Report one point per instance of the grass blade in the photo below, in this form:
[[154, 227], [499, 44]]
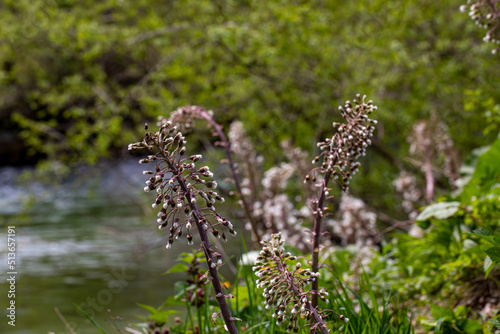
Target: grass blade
[[90, 319]]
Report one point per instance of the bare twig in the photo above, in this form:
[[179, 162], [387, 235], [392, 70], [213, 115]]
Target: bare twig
[[477, 220], [63, 319]]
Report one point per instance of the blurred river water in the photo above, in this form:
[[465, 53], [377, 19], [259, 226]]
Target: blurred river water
[[90, 241]]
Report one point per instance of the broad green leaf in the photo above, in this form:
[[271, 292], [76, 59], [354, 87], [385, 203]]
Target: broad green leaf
[[441, 312], [486, 175], [461, 312], [494, 254], [441, 210], [472, 327], [439, 325]]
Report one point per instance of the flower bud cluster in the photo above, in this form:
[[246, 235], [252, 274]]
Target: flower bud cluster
[[284, 280], [241, 143], [184, 117], [431, 143], [350, 141], [485, 14], [356, 224], [185, 193]]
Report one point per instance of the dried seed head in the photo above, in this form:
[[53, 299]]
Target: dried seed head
[[284, 289], [484, 13], [341, 151], [176, 179]]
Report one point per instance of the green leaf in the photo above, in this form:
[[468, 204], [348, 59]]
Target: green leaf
[[495, 322], [441, 312], [441, 210], [488, 266], [472, 327], [483, 232], [161, 317], [494, 254], [171, 301], [486, 175], [180, 287], [439, 324], [90, 319], [178, 268], [150, 309], [461, 312], [424, 224], [242, 296], [158, 315]]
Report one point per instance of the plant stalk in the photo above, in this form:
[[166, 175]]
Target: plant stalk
[[219, 294], [317, 233], [227, 147], [318, 321]]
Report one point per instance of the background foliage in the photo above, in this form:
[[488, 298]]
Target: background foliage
[[80, 78]]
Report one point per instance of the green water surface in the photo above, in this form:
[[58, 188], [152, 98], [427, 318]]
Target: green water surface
[[99, 250]]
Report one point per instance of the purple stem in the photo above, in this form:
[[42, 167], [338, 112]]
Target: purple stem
[[429, 177], [219, 295], [316, 235], [227, 148], [318, 321]]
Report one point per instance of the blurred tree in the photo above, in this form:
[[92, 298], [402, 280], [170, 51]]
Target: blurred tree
[[80, 78]]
